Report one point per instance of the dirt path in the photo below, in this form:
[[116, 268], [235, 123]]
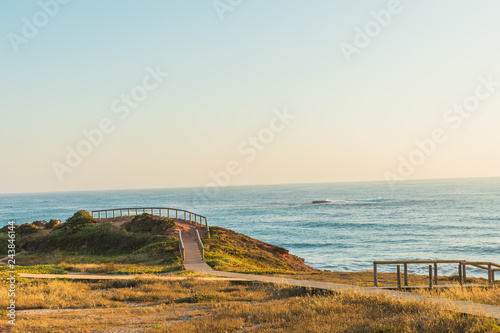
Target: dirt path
[[85, 276]]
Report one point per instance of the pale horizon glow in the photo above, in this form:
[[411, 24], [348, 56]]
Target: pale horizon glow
[[352, 121]]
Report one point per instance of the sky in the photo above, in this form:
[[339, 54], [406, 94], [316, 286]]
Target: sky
[[124, 94]]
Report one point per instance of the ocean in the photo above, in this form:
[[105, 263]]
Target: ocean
[[360, 223]]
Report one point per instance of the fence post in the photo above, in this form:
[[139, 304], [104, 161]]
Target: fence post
[[398, 274], [436, 273], [464, 274], [181, 246], [460, 273], [489, 275], [430, 276], [406, 274], [375, 284]]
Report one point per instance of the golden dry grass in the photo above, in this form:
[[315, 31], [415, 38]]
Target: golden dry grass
[[365, 278], [477, 295], [54, 294], [148, 304], [346, 312]]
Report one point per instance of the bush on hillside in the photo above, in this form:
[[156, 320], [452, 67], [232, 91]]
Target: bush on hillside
[[81, 218], [8, 227], [52, 224], [149, 223], [28, 229], [40, 224], [4, 244], [93, 239]]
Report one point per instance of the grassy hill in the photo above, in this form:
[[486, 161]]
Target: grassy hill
[[227, 250], [82, 244]]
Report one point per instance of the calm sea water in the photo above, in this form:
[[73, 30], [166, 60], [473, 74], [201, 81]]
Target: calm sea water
[[439, 219]]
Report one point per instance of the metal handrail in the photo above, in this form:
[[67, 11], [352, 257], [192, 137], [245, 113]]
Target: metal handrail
[[200, 245]]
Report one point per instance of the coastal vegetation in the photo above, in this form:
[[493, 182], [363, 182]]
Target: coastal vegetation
[[82, 244], [227, 250]]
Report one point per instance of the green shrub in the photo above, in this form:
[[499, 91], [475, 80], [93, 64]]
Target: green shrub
[[149, 223], [8, 227], [53, 223], [160, 248], [4, 238], [98, 238], [81, 218], [27, 229], [40, 224]]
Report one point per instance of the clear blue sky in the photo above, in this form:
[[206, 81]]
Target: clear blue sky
[[353, 120]]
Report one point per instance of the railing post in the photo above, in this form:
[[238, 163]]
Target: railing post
[[176, 214], [493, 277], [398, 275], [168, 213], [99, 214], [136, 212], [464, 274], [406, 274], [430, 276], [489, 275], [436, 273], [114, 213], [460, 278], [181, 246], [129, 212], [375, 283]]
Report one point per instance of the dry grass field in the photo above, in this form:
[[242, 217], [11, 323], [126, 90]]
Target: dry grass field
[[148, 304]]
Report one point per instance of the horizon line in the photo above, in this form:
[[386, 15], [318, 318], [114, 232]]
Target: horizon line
[[243, 185]]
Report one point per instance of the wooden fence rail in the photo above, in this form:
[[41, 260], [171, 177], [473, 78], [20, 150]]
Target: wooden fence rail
[[433, 269], [181, 247], [200, 245], [179, 214]]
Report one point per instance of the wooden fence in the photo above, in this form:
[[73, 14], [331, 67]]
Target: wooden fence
[[181, 247], [200, 245], [433, 269], [179, 214]]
